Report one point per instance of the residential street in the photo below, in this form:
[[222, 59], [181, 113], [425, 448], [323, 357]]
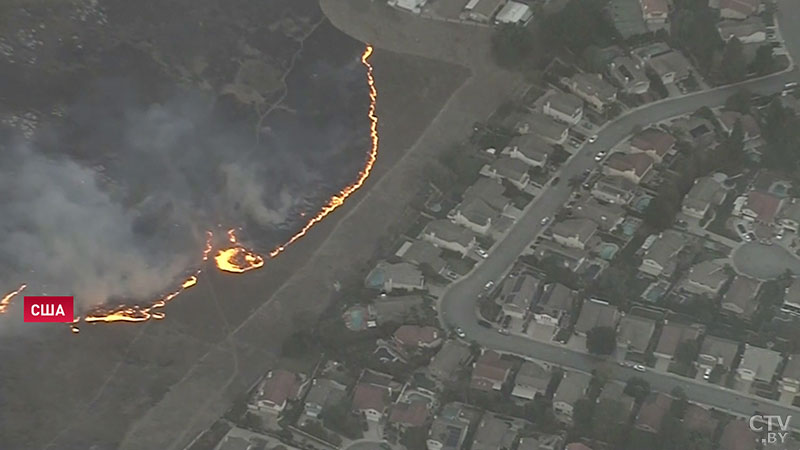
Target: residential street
[[458, 306]]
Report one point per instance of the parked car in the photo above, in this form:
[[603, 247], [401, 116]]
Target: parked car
[[555, 181], [460, 333], [482, 253], [707, 374], [503, 331], [592, 138], [484, 324], [489, 285], [639, 368], [544, 220], [600, 155]]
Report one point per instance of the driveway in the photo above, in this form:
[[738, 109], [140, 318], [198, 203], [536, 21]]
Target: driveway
[[367, 445], [764, 261]]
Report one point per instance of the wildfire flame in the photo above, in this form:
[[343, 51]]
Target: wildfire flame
[[237, 258], [6, 300]]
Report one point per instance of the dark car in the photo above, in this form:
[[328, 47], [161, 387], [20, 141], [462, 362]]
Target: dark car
[[484, 324], [555, 181]]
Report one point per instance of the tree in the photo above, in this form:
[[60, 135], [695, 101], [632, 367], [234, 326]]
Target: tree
[[740, 102], [660, 212], [512, 45], [694, 29], [679, 402], [583, 414], [734, 62], [764, 62], [579, 24], [687, 350], [637, 388], [601, 340]]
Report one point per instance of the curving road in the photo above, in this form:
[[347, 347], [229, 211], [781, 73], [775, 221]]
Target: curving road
[[458, 305]]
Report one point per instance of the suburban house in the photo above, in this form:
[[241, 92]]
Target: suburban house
[[532, 378], [554, 304], [716, 351], [490, 372], [593, 90], [750, 128], [490, 191], [614, 403], [518, 294], [607, 217], [474, 214], [564, 107], [541, 442], [758, 364], [545, 127], [633, 166], [387, 277], [514, 13], [616, 190], [791, 298], [530, 149], [445, 234], [629, 75], [418, 336], [371, 400], [423, 252], [652, 412], [495, 433], [571, 389], [596, 313], [790, 379], [511, 169], [571, 257], [737, 435], [451, 356], [655, 13], [789, 215], [322, 394], [671, 67], [748, 31], [574, 233], [661, 258], [414, 6], [672, 335], [482, 11], [633, 336], [276, 390], [706, 278], [697, 419], [760, 206], [447, 433], [741, 298], [411, 414], [654, 142], [705, 194], [736, 9]]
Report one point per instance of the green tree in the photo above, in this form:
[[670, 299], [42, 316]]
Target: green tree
[[734, 62], [764, 62], [512, 46], [578, 25], [694, 29], [637, 388], [679, 402], [741, 101], [601, 340], [583, 414], [661, 211], [686, 352]]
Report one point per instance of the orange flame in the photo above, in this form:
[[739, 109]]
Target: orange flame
[[6, 300], [237, 259]]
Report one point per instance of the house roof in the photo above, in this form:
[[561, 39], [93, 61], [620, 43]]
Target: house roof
[[369, 396], [399, 273], [324, 391], [742, 293], [665, 247], [792, 369], [413, 414], [672, 334], [452, 355], [577, 446], [533, 375], [235, 443], [489, 369], [749, 125], [514, 12], [763, 204], [653, 410], [790, 210], [542, 125], [532, 146], [614, 186], [635, 332], [699, 419], [583, 229], [510, 168], [761, 361], [638, 163], [737, 435], [708, 273], [487, 7], [596, 314], [450, 232], [670, 62], [449, 432], [741, 28], [520, 291], [416, 336], [572, 387], [653, 139], [704, 192], [477, 211], [723, 350], [423, 252], [606, 216], [557, 297], [615, 392], [627, 72], [540, 442], [744, 7], [594, 85], [280, 386], [654, 7], [490, 191], [565, 103], [793, 292], [494, 433]]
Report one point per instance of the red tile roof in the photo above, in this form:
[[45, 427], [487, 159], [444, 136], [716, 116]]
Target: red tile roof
[[699, 419], [280, 386], [764, 205], [639, 163], [745, 7], [413, 414], [652, 412], [368, 396], [653, 139], [737, 435], [416, 336], [489, 369], [654, 6]]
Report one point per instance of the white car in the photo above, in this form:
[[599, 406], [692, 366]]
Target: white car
[[600, 155], [503, 331], [544, 220], [639, 368], [482, 253], [489, 285], [592, 138], [460, 333]]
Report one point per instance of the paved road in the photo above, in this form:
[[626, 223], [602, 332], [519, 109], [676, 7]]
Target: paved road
[[764, 261], [457, 307]]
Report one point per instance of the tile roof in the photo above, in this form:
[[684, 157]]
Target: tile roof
[[638, 163], [737, 435], [369, 396], [741, 295], [763, 204], [653, 139], [416, 336], [672, 334], [413, 414], [653, 410]]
